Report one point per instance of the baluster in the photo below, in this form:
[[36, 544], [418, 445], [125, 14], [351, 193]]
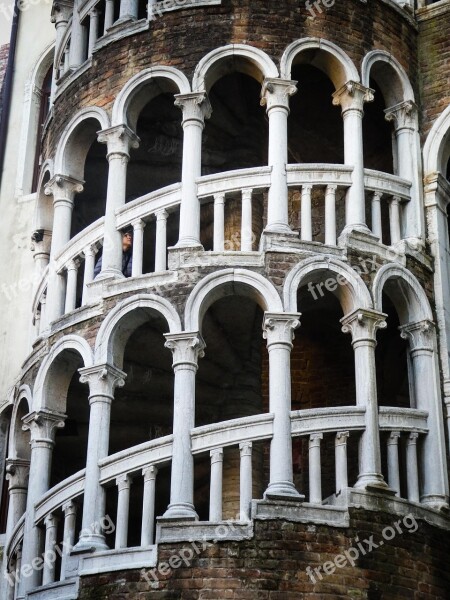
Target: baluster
[[37, 322], [148, 508], [219, 222], [340, 447], [246, 482], [215, 493], [66, 58], [123, 483], [330, 215], [138, 247], [70, 517], [246, 221], [93, 30], [393, 464], [89, 265], [411, 467], [71, 291], [109, 15], [306, 215], [315, 470], [377, 228], [128, 10], [18, 567], [51, 523], [394, 219], [43, 322], [161, 241], [150, 9]]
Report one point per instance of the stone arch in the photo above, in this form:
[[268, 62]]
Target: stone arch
[[76, 140], [436, 151], [234, 57], [19, 440], [224, 283], [350, 288], [405, 292], [44, 205], [125, 318], [57, 369], [389, 75], [324, 55], [142, 88]]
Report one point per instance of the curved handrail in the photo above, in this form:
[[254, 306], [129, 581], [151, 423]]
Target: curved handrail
[[165, 198], [16, 537], [66, 490], [90, 235]]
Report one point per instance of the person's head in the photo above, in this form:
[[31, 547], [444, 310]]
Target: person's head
[[127, 240]]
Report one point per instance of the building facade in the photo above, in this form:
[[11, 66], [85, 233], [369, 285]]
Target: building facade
[[248, 396]]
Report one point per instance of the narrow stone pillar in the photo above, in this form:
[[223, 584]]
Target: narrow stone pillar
[[77, 54], [93, 30], [363, 325], [246, 480], [51, 530], [70, 517], [187, 348], [412, 472], [148, 506], [306, 214], [123, 509], [427, 392], [71, 290], [376, 215], [42, 425], [103, 380], [89, 265], [215, 494], [128, 10], [330, 215], [394, 220], [138, 248], [278, 330], [161, 241], [246, 221], [219, 222], [351, 97], [393, 463], [109, 15], [315, 469], [120, 140], [17, 474], [196, 108], [275, 96], [341, 468]]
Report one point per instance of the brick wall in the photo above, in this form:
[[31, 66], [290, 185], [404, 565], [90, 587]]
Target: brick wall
[[272, 566], [3, 62]]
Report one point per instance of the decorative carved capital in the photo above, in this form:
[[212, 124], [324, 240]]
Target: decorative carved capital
[[352, 96], [278, 328], [63, 188], [363, 324], [17, 473], [341, 438], [196, 107], [420, 335], [42, 425], [402, 115], [102, 380], [393, 438], [186, 347], [119, 140], [275, 93], [149, 473]]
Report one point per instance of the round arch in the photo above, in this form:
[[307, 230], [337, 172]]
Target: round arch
[[243, 58], [18, 441], [405, 292], [324, 55], [224, 283], [133, 97], [76, 348], [350, 288], [436, 151], [389, 75], [43, 217], [125, 318], [76, 140]]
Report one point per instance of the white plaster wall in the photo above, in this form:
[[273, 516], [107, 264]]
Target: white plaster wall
[[36, 33]]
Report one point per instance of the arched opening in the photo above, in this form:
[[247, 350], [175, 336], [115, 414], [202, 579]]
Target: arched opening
[[5, 426], [44, 108], [378, 134], [235, 137]]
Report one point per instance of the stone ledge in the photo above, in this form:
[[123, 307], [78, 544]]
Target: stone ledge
[[187, 531], [62, 590], [265, 510], [118, 560]]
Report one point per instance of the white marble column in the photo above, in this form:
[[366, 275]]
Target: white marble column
[[93, 30], [412, 472], [363, 325], [70, 517], [17, 474], [394, 220], [427, 393], [138, 247], [351, 98], [77, 40], [89, 265], [187, 348], [148, 506], [278, 330], [393, 462], [196, 108], [128, 10], [123, 483], [42, 425], [275, 96], [60, 16], [71, 288], [103, 380], [341, 467], [161, 240], [330, 215], [109, 15], [376, 215], [120, 140], [246, 221], [216, 485], [306, 214], [51, 530], [315, 469], [219, 222], [245, 480]]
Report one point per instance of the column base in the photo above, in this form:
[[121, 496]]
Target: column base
[[358, 227], [280, 228], [372, 481], [189, 243], [110, 274], [436, 501], [181, 511], [91, 543], [283, 490]]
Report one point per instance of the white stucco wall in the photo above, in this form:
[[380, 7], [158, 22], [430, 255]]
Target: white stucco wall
[[36, 34]]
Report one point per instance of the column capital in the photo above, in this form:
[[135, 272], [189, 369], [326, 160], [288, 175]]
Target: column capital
[[245, 448], [315, 439], [63, 189], [195, 106], [412, 438], [393, 439], [402, 115], [275, 93], [102, 380], [420, 335], [123, 482], [61, 12], [69, 508], [17, 473], [90, 250], [216, 455], [149, 473], [119, 140], [278, 328], [186, 347], [352, 96], [341, 438], [363, 324], [42, 425], [161, 214]]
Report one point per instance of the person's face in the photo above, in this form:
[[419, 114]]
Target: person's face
[[127, 242]]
